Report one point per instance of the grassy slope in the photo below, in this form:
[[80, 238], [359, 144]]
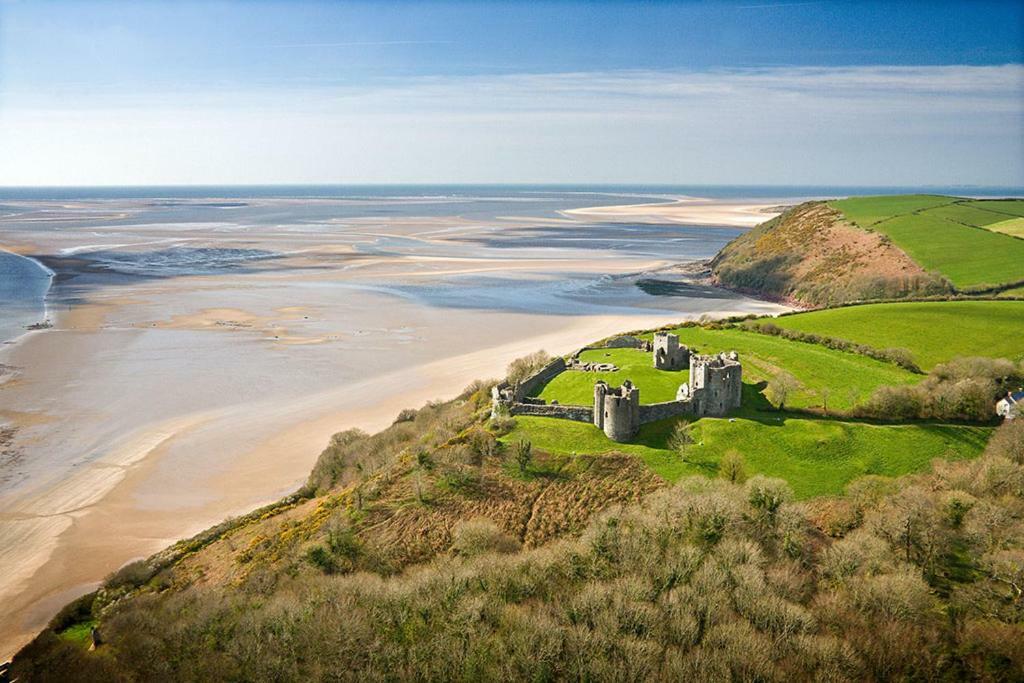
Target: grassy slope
[[945, 234], [847, 377], [577, 388], [816, 456], [935, 331]]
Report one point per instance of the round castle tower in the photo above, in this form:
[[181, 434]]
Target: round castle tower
[[617, 410]]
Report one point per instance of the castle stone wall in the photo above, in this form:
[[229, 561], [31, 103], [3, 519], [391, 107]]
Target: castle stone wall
[[539, 379], [576, 413], [653, 412]]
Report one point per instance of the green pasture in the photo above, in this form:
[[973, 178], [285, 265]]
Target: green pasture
[[816, 456], [866, 211], [958, 238], [934, 331], [969, 257]]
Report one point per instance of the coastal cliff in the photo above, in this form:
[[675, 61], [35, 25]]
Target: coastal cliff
[[812, 255]]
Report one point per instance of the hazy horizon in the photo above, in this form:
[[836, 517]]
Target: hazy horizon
[[759, 93]]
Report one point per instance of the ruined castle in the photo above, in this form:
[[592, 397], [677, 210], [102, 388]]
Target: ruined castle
[[713, 389]]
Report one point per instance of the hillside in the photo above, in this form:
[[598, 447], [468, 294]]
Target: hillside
[[886, 247], [707, 580], [813, 254], [456, 546]]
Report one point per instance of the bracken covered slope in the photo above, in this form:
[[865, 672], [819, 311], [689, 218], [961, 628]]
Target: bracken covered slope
[[812, 255]]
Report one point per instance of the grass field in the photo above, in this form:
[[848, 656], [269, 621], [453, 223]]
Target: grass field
[[845, 377], [816, 456], [934, 331], [951, 236], [866, 211], [842, 378], [577, 388]]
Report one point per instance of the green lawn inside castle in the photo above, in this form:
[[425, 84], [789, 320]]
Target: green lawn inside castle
[[817, 452]]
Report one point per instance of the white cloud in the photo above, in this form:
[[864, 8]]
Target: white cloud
[[851, 125]]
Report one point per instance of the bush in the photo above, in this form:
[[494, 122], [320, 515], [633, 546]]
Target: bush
[[767, 494], [524, 455], [732, 467], [132, 575], [521, 368]]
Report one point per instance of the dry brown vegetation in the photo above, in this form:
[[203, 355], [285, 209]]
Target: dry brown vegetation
[[810, 254]]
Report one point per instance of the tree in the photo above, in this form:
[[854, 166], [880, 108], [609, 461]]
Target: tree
[[780, 387], [524, 455], [732, 467]]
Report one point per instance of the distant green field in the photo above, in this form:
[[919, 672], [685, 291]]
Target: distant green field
[[816, 456], [866, 211], [577, 388], [934, 331], [951, 236], [976, 215]]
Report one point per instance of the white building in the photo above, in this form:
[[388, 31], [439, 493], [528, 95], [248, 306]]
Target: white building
[[1011, 406]]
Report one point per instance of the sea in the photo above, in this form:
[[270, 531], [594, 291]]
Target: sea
[[25, 282]]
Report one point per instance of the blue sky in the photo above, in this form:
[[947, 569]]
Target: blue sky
[[752, 91]]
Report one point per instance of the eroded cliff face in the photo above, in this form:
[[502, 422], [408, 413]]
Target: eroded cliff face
[[811, 255]]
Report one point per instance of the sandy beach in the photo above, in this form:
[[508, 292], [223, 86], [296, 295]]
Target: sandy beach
[[157, 406], [688, 210]]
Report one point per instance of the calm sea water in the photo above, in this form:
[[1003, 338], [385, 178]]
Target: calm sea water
[[23, 287]]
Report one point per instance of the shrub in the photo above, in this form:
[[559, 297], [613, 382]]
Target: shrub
[[524, 455], [732, 467], [767, 494], [132, 575]]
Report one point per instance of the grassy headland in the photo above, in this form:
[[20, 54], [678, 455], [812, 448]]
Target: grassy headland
[[863, 248]]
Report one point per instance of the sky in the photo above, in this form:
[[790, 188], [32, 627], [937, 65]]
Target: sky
[[747, 92]]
